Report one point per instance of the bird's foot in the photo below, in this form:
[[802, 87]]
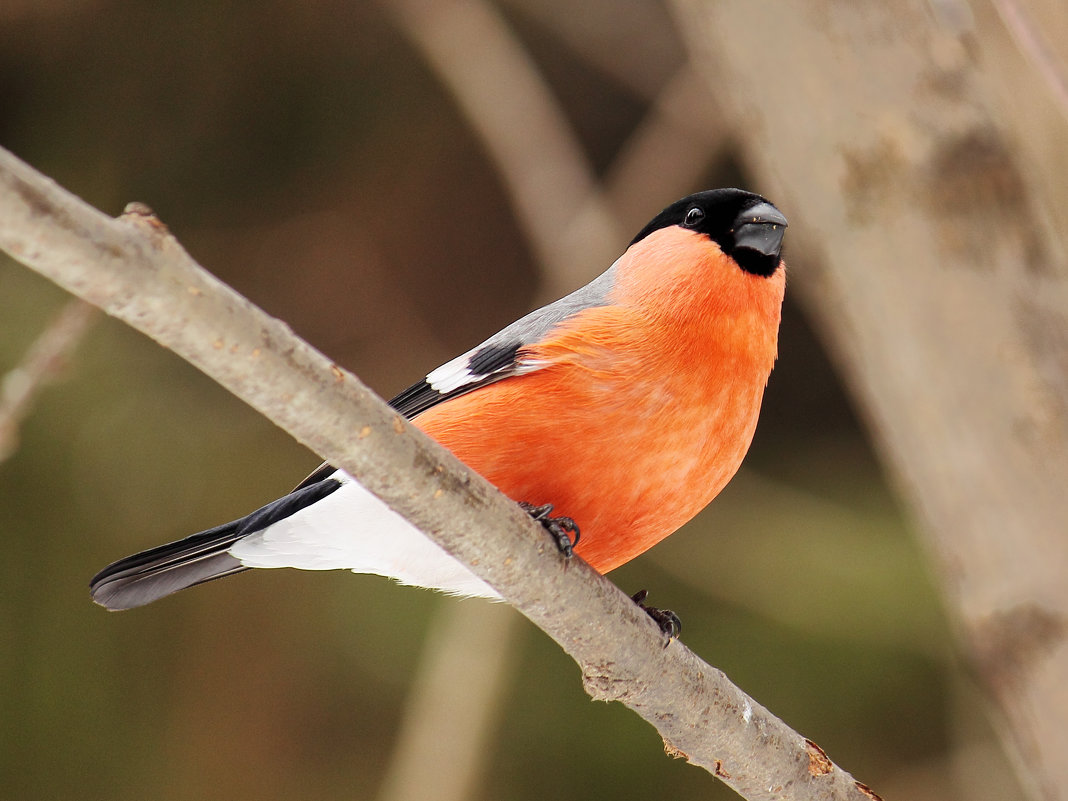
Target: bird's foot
[[559, 528], [667, 620]]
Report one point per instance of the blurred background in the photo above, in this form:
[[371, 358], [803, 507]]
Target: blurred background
[[319, 158]]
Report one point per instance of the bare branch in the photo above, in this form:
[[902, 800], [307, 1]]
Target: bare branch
[[634, 43], [681, 133], [524, 130], [133, 269], [43, 362], [464, 668]]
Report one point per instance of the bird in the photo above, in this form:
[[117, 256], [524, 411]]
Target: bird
[[613, 415]]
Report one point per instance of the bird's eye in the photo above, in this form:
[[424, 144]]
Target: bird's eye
[[694, 217]]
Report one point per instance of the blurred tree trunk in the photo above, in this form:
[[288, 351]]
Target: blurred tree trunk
[[924, 247]]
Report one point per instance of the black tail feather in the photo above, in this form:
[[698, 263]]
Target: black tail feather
[[155, 573]]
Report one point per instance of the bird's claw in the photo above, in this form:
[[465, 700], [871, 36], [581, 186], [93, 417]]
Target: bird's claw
[[559, 528], [667, 620]]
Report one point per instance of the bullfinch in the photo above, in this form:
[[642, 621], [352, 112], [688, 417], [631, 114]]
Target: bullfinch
[[626, 406]]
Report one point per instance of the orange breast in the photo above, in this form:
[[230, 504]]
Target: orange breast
[[634, 425]]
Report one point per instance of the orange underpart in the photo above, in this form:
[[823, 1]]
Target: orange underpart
[[644, 408]]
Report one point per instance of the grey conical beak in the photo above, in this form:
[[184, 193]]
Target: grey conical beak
[[760, 228]]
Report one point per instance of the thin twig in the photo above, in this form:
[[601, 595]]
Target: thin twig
[[452, 706], [44, 362], [681, 133], [135, 270], [635, 44], [524, 130]]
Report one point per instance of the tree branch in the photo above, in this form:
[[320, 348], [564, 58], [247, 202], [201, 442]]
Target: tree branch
[[43, 362], [679, 136], [135, 270], [465, 664], [554, 192]]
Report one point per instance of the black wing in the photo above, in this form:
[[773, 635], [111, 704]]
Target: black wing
[[484, 366]]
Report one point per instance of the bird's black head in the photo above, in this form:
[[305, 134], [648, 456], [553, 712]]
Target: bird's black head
[[745, 226]]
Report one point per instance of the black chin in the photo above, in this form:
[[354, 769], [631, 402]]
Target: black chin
[[755, 262]]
